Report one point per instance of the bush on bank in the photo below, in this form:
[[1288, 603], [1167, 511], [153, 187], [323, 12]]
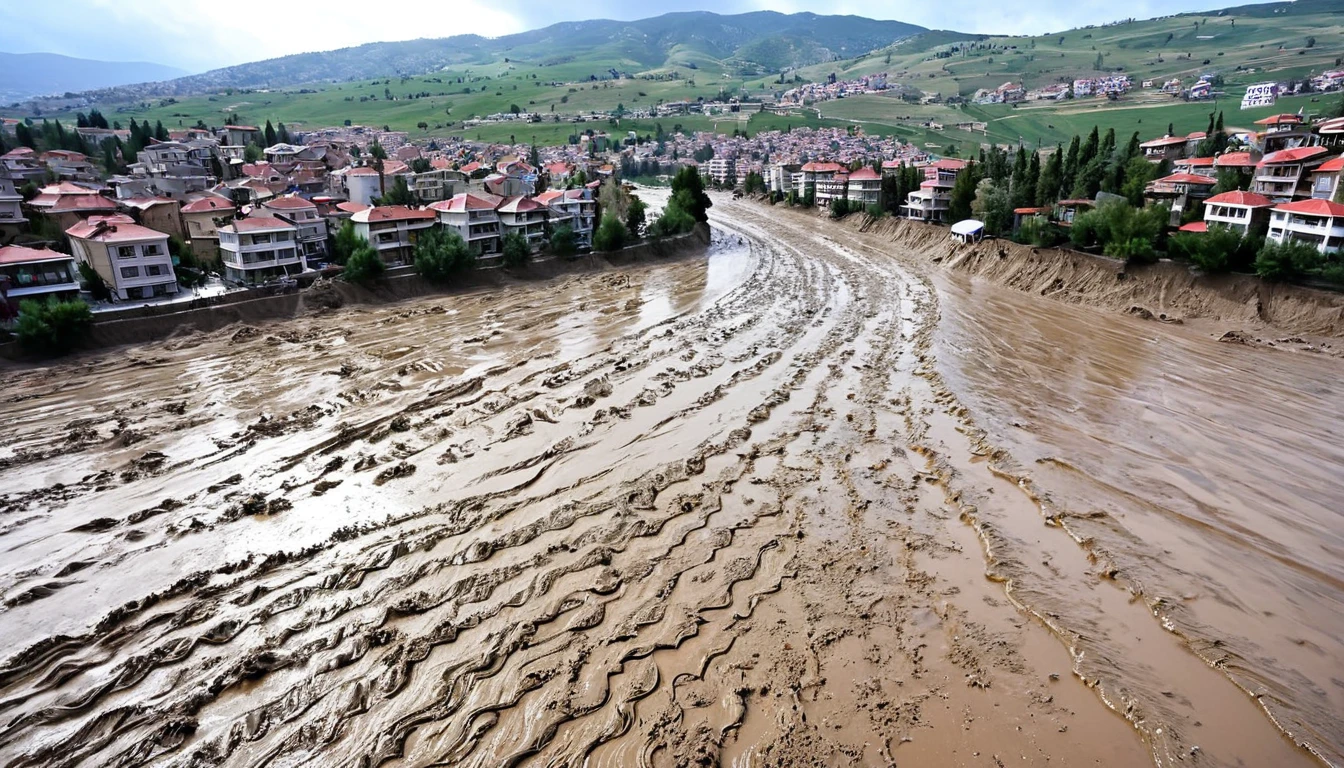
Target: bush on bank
[[52, 327]]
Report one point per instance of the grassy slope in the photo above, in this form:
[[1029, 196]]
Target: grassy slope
[[1254, 41]]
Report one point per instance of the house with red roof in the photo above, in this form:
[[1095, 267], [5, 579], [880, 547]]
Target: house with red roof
[[473, 216], [933, 198], [1283, 132], [132, 260], [1242, 211], [805, 181], [865, 187], [526, 217], [202, 217], [68, 204], [12, 220], [573, 208], [1282, 176], [1164, 148], [160, 213], [311, 228], [1180, 191], [1319, 223], [1325, 180], [29, 273], [22, 165], [258, 249], [393, 230]]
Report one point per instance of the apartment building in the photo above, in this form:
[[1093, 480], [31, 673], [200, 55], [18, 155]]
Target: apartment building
[[1319, 223], [259, 248], [393, 230], [132, 260], [311, 228], [1238, 210], [473, 217]]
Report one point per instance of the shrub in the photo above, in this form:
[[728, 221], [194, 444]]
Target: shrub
[[516, 250], [1123, 231], [442, 253], [635, 217], [1040, 232], [610, 234], [1221, 249], [674, 221], [694, 200], [364, 265], [563, 241], [1286, 260], [345, 242], [52, 327]]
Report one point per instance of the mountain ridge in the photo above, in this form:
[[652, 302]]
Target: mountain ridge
[[680, 38], [25, 75]]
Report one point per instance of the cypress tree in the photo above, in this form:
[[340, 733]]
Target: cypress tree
[[270, 134], [1070, 169]]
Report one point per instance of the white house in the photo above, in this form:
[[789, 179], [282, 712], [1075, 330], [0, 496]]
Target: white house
[[934, 197], [524, 215], [1317, 222], [1237, 210], [259, 248], [473, 216], [28, 273], [393, 230], [865, 187], [132, 260], [574, 208], [311, 228]]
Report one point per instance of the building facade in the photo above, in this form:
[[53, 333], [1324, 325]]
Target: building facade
[[132, 260]]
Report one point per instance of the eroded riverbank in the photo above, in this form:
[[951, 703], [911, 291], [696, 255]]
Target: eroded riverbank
[[725, 511]]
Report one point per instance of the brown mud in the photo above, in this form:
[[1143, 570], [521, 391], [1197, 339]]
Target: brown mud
[[754, 509]]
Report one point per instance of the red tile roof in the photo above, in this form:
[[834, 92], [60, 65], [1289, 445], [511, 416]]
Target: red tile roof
[[520, 205], [822, 168], [1165, 141], [865, 174], [73, 203], [1294, 155], [1030, 211], [1244, 199], [205, 204], [288, 203], [1189, 178], [254, 223], [1194, 162], [352, 207], [1313, 207], [949, 164], [392, 213], [17, 254], [465, 201], [1234, 160], [113, 229], [1331, 166], [1195, 226], [1277, 119]]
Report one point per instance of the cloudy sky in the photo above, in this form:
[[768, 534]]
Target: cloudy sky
[[197, 35]]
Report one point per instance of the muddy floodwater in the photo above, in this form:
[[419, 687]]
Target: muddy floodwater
[[800, 500]]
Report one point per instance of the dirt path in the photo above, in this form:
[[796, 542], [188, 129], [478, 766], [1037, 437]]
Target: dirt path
[[722, 512]]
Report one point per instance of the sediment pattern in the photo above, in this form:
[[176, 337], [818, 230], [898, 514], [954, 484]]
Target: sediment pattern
[[698, 513]]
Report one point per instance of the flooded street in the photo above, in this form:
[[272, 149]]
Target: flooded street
[[789, 503]]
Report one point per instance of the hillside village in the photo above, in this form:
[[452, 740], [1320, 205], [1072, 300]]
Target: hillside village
[[173, 215]]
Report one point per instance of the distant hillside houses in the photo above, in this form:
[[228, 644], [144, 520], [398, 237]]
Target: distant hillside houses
[[832, 88], [1008, 93], [1102, 86]]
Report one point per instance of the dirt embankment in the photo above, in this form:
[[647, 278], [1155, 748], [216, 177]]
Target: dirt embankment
[[1166, 291]]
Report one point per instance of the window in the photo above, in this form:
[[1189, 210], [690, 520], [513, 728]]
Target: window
[[387, 237], [259, 239], [126, 251], [152, 250], [130, 271], [154, 270]]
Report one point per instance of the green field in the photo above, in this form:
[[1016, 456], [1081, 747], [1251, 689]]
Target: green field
[[1243, 45]]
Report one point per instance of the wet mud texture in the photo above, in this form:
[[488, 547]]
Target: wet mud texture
[[721, 512]]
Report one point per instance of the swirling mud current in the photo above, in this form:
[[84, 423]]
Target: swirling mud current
[[722, 511]]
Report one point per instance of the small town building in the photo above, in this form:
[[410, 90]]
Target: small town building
[[311, 227], [393, 230], [474, 218], [1181, 191], [1284, 175], [68, 203], [1164, 148], [202, 219], [1317, 222], [12, 220], [1242, 211], [30, 273], [526, 216], [933, 198], [160, 213], [1325, 180], [133, 260], [865, 187], [259, 249]]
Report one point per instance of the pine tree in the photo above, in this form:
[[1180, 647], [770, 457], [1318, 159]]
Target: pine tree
[[283, 134], [1033, 175], [160, 133], [1018, 190], [1070, 168], [1090, 147], [270, 134], [1047, 186]]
